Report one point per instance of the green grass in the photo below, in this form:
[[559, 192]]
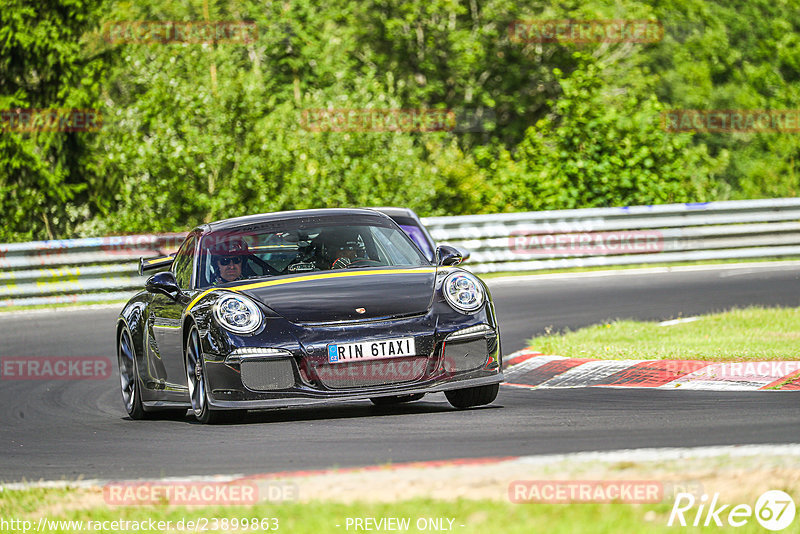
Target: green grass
[[736, 335], [633, 266], [322, 517]]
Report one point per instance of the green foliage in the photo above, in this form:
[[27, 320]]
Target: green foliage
[[197, 132], [736, 55], [42, 66], [599, 148]]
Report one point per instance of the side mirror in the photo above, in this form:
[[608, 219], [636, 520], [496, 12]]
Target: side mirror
[[465, 254], [165, 284], [446, 255]]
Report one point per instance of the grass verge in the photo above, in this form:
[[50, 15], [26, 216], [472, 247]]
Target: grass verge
[[458, 498], [736, 335], [465, 516]]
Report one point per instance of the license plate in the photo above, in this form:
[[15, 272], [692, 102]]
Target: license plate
[[371, 350]]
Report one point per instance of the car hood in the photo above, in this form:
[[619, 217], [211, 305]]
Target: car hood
[[337, 295]]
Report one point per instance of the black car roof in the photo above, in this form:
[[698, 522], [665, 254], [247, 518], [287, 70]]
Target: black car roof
[[394, 211], [235, 222]]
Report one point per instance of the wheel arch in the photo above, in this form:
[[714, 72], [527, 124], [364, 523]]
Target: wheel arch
[[188, 322], [133, 318], [118, 330]]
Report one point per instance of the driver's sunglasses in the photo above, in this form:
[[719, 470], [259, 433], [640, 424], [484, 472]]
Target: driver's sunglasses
[[236, 260]]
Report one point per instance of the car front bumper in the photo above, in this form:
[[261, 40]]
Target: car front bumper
[[295, 399], [289, 365]]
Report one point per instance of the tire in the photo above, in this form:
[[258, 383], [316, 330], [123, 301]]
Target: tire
[[469, 397], [396, 399], [198, 390], [129, 376]]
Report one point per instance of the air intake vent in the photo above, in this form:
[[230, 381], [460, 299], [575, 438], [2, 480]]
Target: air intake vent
[[466, 356], [267, 375]]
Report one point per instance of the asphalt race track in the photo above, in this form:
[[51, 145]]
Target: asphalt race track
[[78, 429]]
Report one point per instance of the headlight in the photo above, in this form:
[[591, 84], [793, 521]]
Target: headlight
[[463, 292], [237, 313]]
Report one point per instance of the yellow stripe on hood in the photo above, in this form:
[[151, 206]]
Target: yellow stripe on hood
[[320, 276]]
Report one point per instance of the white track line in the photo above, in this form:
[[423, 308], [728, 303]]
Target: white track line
[[679, 321], [780, 265], [611, 456], [668, 453]]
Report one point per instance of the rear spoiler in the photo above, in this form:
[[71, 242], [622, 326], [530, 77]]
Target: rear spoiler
[[152, 264]]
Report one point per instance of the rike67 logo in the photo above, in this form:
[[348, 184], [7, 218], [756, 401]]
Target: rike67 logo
[[774, 510]]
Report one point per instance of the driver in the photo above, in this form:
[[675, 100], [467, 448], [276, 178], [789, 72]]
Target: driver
[[227, 260], [348, 253]]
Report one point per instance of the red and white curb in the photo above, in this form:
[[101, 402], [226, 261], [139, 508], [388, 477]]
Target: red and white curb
[[534, 370]]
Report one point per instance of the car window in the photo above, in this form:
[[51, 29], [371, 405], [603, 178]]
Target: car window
[[184, 259], [415, 233], [299, 246]]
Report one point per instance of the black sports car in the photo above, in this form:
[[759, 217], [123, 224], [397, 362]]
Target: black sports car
[[304, 307]]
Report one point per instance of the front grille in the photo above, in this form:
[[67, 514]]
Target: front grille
[[266, 375], [465, 356], [372, 372], [372, 321]]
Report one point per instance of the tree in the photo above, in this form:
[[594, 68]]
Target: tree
[[43, 175], [606, 148]]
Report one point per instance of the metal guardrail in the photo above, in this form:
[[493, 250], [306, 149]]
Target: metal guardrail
[[104, 269], [743, 229], [97, 269]]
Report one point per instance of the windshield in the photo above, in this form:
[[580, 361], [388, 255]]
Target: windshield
[[303, 246], [415, 233]]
